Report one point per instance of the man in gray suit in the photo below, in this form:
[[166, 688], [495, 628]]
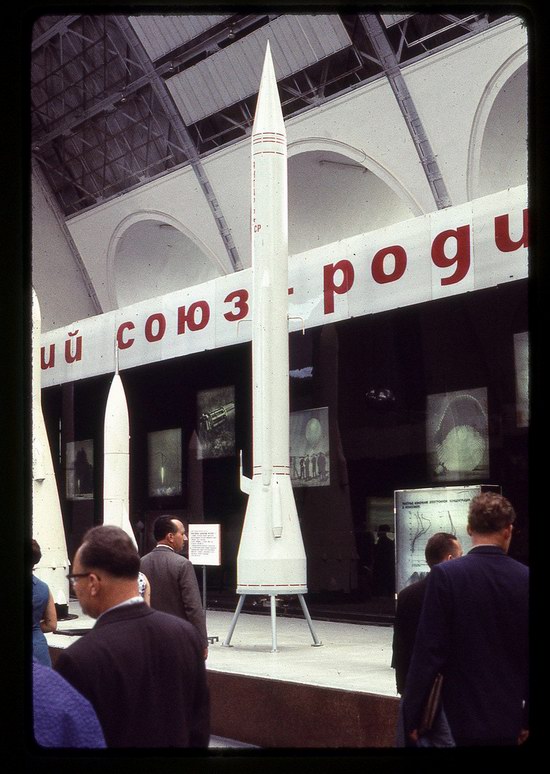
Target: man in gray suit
[[174, 587]]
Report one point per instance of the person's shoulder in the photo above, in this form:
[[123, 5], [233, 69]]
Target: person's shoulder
[[149, 555], [412, 590], [519, 567]]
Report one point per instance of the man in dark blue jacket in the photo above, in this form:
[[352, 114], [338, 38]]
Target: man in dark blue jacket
[[474, 631]]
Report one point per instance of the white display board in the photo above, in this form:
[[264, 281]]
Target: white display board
[[419, 514], [204, 544]]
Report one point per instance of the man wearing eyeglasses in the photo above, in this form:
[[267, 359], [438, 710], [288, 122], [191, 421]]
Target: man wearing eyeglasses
[[142, 670]]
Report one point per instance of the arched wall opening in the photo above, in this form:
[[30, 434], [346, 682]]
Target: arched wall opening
[[333, 195], [151, 257], [498, 147]]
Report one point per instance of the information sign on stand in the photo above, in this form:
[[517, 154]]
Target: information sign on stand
[[419, 514], [204, 548]]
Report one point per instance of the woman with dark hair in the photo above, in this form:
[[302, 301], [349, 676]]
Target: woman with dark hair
[[44, 617]]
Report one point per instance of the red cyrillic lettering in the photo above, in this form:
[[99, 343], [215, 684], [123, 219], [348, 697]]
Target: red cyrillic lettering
[[461, 258], [69, 356], [240, 300], [160, 320], [120, 341], [187, 317], [399, 264], [329, 285], [51, 361], [503, 240]]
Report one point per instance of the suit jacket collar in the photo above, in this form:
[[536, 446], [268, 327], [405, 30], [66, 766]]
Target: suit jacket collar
[[123, 613], [486, 550]]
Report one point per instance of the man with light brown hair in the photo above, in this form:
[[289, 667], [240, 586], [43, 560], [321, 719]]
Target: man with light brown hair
[[473, 630]]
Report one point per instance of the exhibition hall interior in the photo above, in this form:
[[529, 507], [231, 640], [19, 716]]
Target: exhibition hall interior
[[407, 263]]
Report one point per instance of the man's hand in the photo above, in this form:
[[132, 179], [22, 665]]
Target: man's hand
[[205, 653], [523, 734], [413, 735]]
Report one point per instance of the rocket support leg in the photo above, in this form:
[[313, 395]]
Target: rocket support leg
[[273, 601], [316, 642], [273, 624], [227, 640]]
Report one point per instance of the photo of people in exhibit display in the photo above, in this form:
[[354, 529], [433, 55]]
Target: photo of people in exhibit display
[[309, 448], [80, 470]]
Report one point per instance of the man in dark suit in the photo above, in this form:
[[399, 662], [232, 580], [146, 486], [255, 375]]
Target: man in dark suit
[[440, 547], [174, 587], [143, 671], [473, 630]]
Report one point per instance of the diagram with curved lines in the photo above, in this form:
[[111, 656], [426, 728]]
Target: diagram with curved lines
[[419, 514]]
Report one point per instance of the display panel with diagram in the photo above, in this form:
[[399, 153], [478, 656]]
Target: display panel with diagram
[[419, 514]]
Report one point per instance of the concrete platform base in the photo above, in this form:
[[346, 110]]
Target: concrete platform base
[[277, 713]]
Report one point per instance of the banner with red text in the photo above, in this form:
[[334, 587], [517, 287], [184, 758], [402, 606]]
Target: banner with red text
[[476, 245]]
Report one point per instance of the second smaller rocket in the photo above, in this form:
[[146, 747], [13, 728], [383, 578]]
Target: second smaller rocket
[[116, 462]]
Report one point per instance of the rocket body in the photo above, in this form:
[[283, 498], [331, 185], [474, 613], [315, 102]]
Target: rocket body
[[116, 461], [271, 556], [47, 520]]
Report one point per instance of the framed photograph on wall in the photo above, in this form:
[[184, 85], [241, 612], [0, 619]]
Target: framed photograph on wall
[[457, 435], [80, 470], [164, 460], [521, 361], [309, 447], [216, 422]]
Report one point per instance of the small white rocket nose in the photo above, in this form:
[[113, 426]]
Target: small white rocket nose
[[269, 116]]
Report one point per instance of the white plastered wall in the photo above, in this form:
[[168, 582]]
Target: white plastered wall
[[56, 276]]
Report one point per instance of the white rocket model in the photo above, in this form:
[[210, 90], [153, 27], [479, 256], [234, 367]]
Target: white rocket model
[[116, 460], [271, 558], [47, 521], [271, 555]]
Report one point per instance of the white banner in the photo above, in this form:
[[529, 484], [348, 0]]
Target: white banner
[[476, 245]]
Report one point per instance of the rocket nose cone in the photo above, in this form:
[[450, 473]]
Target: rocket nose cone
[[36, 315], [268, 116]]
